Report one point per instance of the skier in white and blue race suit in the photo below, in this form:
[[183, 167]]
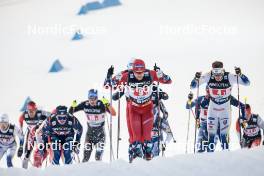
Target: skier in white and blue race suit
[[201, 110], [220, 85], [8, 145]]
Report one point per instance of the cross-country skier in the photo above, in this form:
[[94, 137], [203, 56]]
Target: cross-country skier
[[8, 145], [33, 118], [163, 125], [251, 125], [220, 85], [95, 111], [64, 131], [201, 110], [140, 107]]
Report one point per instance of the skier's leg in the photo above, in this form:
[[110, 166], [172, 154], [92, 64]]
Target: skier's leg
[[2, 152], [155, 142], [10, 155], [224, 126], [28, 149], [136, 126], [129, 124], [212, 125], [130, 152], [37, 158], [56, 154], [100, 149], [147, 124], [88, 148], [200, 139], [256, 142], [155, 134], [67, 152]]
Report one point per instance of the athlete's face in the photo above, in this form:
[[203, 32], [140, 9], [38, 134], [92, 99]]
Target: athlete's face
[[3, 126], [139, 75], [93, 101], [32, 113], [218, 77], [248, 113], [218, 73]]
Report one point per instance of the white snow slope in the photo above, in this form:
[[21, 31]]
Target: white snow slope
[[182, 37], [242, 163]]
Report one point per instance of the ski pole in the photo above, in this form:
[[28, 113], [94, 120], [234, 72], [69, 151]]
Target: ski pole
[[196, 107], [118, 125], [238, 98], [174, 140], [108, 128], [188, 127]]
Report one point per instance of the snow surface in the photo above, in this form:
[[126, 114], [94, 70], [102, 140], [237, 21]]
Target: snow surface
[[242, 163], [182, 37]]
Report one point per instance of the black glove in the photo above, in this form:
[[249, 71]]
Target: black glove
[[198, 75], [163, 147], [156, 68], [190, 96], [110, 72], [20, 151], [238, 71]]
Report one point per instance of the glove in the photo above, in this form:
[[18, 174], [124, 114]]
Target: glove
[[190, 96], [110, 72], [198, 75], [76, 147], [244, 124], [105, 102], [20, 151], [238, 71], [74, 104], [163, 147], [156, 68], [198, 124], [159, 73]]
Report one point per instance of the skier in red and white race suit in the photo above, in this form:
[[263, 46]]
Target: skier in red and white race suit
[[138, 83], [220, 85], [33, 118]]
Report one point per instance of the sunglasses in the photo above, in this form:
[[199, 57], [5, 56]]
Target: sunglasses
[[218, 71]]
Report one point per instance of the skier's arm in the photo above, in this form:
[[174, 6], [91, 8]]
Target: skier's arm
[[79, 107], [242, 79], [117, 95], [21, 120], [159, 76], [236, 103], [107, 107], [203, 79], [78, 129], [260, 123], [18, 132], [198, 107]]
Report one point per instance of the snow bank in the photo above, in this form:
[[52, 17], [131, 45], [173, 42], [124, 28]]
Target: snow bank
[[241, 162]]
